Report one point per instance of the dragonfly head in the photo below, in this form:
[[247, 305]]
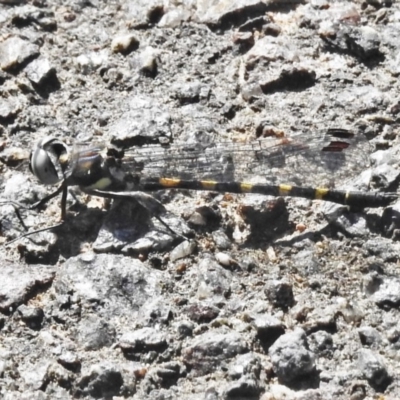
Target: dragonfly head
[[48, 160]]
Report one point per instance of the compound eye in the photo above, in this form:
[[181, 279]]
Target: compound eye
[[42, 161]]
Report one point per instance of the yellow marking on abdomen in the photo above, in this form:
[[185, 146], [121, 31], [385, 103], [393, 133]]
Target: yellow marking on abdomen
[[246, 187], [102, 183], [320, 193], [169, 182], [284, 190], [209, 185]]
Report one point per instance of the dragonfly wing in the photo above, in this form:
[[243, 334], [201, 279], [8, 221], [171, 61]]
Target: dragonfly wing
[[305, 160]]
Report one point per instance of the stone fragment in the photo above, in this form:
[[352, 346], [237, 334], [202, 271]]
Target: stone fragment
[[20, 282], [15, 51], [280, 293], [102, 381], [210, 351], [40, 70], [291, 357], [95, 333], [373, 368], [124, 44], [143, 340]]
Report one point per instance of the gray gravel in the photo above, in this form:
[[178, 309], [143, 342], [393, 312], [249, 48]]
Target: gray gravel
[[267, 299]]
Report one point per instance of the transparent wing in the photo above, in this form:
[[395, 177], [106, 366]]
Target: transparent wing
[[323, 160], [303, 160]]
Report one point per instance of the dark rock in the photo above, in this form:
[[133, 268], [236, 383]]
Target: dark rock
[[280, 294], [268, 329], [185, 329], [95, 333], [32, 316], [243, 389], [143, 340], [210, 351], [70, 361], [259, 213], [205, 216], [201, 313], [380, 3], [272, 29], [373, 368], [291, 357], [369, 336], [169, 373], [37, 17], [289, 79], [102, 381], [19, 283]]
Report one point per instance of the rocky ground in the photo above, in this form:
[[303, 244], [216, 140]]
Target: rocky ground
[[268, 298]]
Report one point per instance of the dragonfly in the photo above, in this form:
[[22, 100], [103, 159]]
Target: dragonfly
[[306, 166]]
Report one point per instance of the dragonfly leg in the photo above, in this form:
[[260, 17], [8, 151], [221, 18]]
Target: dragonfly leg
[[46, 199], [18, 206]]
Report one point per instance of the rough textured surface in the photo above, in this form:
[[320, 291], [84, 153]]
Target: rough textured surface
[[268, 298]]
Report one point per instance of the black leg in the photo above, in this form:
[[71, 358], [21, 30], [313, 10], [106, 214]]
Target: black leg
[[48, 228], [17, 206], [46, 199], [64, 203]]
